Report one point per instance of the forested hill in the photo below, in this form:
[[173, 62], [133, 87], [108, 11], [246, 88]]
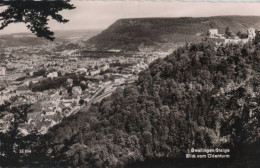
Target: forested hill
[[201, 96], [134, 34]]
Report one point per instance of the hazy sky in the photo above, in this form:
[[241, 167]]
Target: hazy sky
[[100, 14]]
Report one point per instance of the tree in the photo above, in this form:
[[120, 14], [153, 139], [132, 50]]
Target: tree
[[81, 102], [243, 36], [257, 38], [228, 32], [30, 84], [35, 14], [239, 33], [12, 138]]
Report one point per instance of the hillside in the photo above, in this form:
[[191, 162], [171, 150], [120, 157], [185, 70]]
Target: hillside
[[134, 34], [201, 96]]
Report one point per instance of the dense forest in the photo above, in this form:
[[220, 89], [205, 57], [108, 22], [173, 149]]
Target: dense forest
[[136, 33], [200, 96]]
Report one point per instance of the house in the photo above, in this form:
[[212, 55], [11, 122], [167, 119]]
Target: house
[[31, 73], [119, 80], [74, 53], [67, 101], [95, 72], [2, 71], [66, 110], [114, 50], [63, 92], [70, 82], [76, 91], [52, 75], [82, 70], [104, 67]]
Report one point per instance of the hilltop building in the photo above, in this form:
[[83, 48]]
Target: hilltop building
[[222, 39], [251, 34], [213, 33]]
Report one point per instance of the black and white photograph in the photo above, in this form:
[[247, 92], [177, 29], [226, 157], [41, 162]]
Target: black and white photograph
[[129, 84]]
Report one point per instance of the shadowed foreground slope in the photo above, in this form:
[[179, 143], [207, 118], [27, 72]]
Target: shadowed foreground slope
[[203, 96]]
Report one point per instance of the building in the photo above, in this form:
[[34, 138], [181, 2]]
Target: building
[[114, 50], [76, 91], [104, 67], [213, 33], [67, 101], [236, 41], [221, 39], [82, 70], [95, 72], [119, 80], [70, 82], [74, 53], [251, 34], [2, 71], [52, 75]]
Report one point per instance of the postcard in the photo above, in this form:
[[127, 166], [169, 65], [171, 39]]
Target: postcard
[[130, 84]]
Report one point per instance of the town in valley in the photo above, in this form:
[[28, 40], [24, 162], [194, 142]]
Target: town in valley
[[54, 81]]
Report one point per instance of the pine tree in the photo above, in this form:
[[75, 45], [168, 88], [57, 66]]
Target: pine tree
[[35, 14]]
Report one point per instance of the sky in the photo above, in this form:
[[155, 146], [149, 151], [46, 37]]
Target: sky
[[101, 14]]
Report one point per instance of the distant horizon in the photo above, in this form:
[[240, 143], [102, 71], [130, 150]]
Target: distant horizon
[[55, 30], [94, 15], [25, 32]]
